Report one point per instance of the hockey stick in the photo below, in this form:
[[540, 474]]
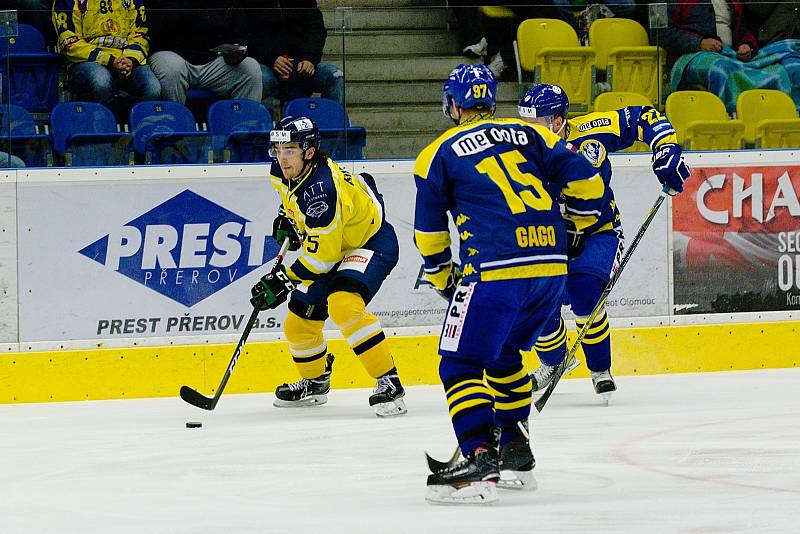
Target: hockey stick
[[560, 369], [196, 398]]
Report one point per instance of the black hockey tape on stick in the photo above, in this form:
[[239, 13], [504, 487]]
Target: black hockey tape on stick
[[196, 398], [559, 372]]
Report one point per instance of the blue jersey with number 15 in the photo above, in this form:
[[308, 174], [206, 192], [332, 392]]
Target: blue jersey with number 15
[[497, 178]]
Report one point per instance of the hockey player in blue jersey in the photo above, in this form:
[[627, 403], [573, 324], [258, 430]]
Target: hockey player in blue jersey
[[596, 250], [497, 179]]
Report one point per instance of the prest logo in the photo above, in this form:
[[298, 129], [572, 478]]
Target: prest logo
[[186, 248]]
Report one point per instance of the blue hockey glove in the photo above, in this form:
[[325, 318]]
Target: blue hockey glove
[[576, 240], [282, 227], [272, 290], [669, 167], [453, 279]]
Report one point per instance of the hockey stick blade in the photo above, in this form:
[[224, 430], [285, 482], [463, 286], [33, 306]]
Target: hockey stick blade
[[560, 369], [437, 465], [201, 401], [197, 399]]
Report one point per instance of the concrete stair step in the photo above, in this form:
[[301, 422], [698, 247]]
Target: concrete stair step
[[398, 68], [410, 117], [398, 18], [417, 92], [392, 42], [393, 144]]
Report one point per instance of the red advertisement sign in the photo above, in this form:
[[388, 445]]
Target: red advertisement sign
[[736, 235]]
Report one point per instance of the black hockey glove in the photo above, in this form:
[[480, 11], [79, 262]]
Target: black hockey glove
[[669, 168], [272, 290], [576, 240], [452, 283], [283, 227]]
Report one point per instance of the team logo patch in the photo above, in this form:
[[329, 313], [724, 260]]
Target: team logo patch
[[594, 151], [358, 260], [316, 209], [186, 248], [456, 316], [127, 3]]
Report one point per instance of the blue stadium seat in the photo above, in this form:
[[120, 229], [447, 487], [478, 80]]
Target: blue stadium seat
[[85, 134], [18, 136], [34, 71], [165, 132], [339, 138], [240, 130]]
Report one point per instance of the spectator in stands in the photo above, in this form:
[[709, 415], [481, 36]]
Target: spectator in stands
[[288, 42], [197, 49], [774, 21], [107, 50], [696, 25], [9, 161]]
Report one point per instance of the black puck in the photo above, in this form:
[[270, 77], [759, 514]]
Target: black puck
[[193, 424]]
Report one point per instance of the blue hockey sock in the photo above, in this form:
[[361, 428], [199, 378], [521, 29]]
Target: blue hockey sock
[[584, 291], [511, 388], [551, 347], [469, 400]]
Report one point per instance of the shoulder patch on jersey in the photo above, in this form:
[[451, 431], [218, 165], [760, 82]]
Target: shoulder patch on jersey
[[594, 151], [604, 121], [317, 196]]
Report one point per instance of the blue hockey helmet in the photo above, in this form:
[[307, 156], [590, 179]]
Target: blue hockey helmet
[[543, 100], [300, 130], [469, 86]]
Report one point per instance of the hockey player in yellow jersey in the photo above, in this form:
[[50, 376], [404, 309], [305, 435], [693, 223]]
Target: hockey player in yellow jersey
[[348, 249]]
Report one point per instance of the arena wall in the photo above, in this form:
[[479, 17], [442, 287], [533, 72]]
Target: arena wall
[[130, 282]]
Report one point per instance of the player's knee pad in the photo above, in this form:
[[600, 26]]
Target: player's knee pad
[[362, 330], [346, 308], [584, 291], [306, 344]]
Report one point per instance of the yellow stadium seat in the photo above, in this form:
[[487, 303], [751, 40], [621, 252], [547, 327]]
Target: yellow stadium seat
[[701, 122], [549, 48], [617, 100], [770, 118], [631, 64]]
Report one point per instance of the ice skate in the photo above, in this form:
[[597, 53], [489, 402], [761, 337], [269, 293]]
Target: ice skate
[[306, 391], [387, 397], [604, 384], [517, 462], [473, 480], [544, 374]]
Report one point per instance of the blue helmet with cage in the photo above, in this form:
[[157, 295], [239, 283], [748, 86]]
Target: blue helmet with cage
[[469, 86], [543, 100], [300, 130]]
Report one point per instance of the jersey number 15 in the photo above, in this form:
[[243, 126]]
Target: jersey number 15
[[537, 199]]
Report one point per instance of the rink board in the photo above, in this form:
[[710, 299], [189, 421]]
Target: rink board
[[160, 371], [85, 314]]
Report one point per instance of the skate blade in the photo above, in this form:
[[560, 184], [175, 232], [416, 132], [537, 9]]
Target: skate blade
[[477, 493], [313, 400], [517, 480], [390, 409]]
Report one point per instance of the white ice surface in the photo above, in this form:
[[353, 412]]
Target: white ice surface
[[681, 453]]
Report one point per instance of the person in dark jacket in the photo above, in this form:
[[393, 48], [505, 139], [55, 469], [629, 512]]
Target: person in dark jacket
[[203, 44], [774, 21], [287, 40], [696, 26]]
